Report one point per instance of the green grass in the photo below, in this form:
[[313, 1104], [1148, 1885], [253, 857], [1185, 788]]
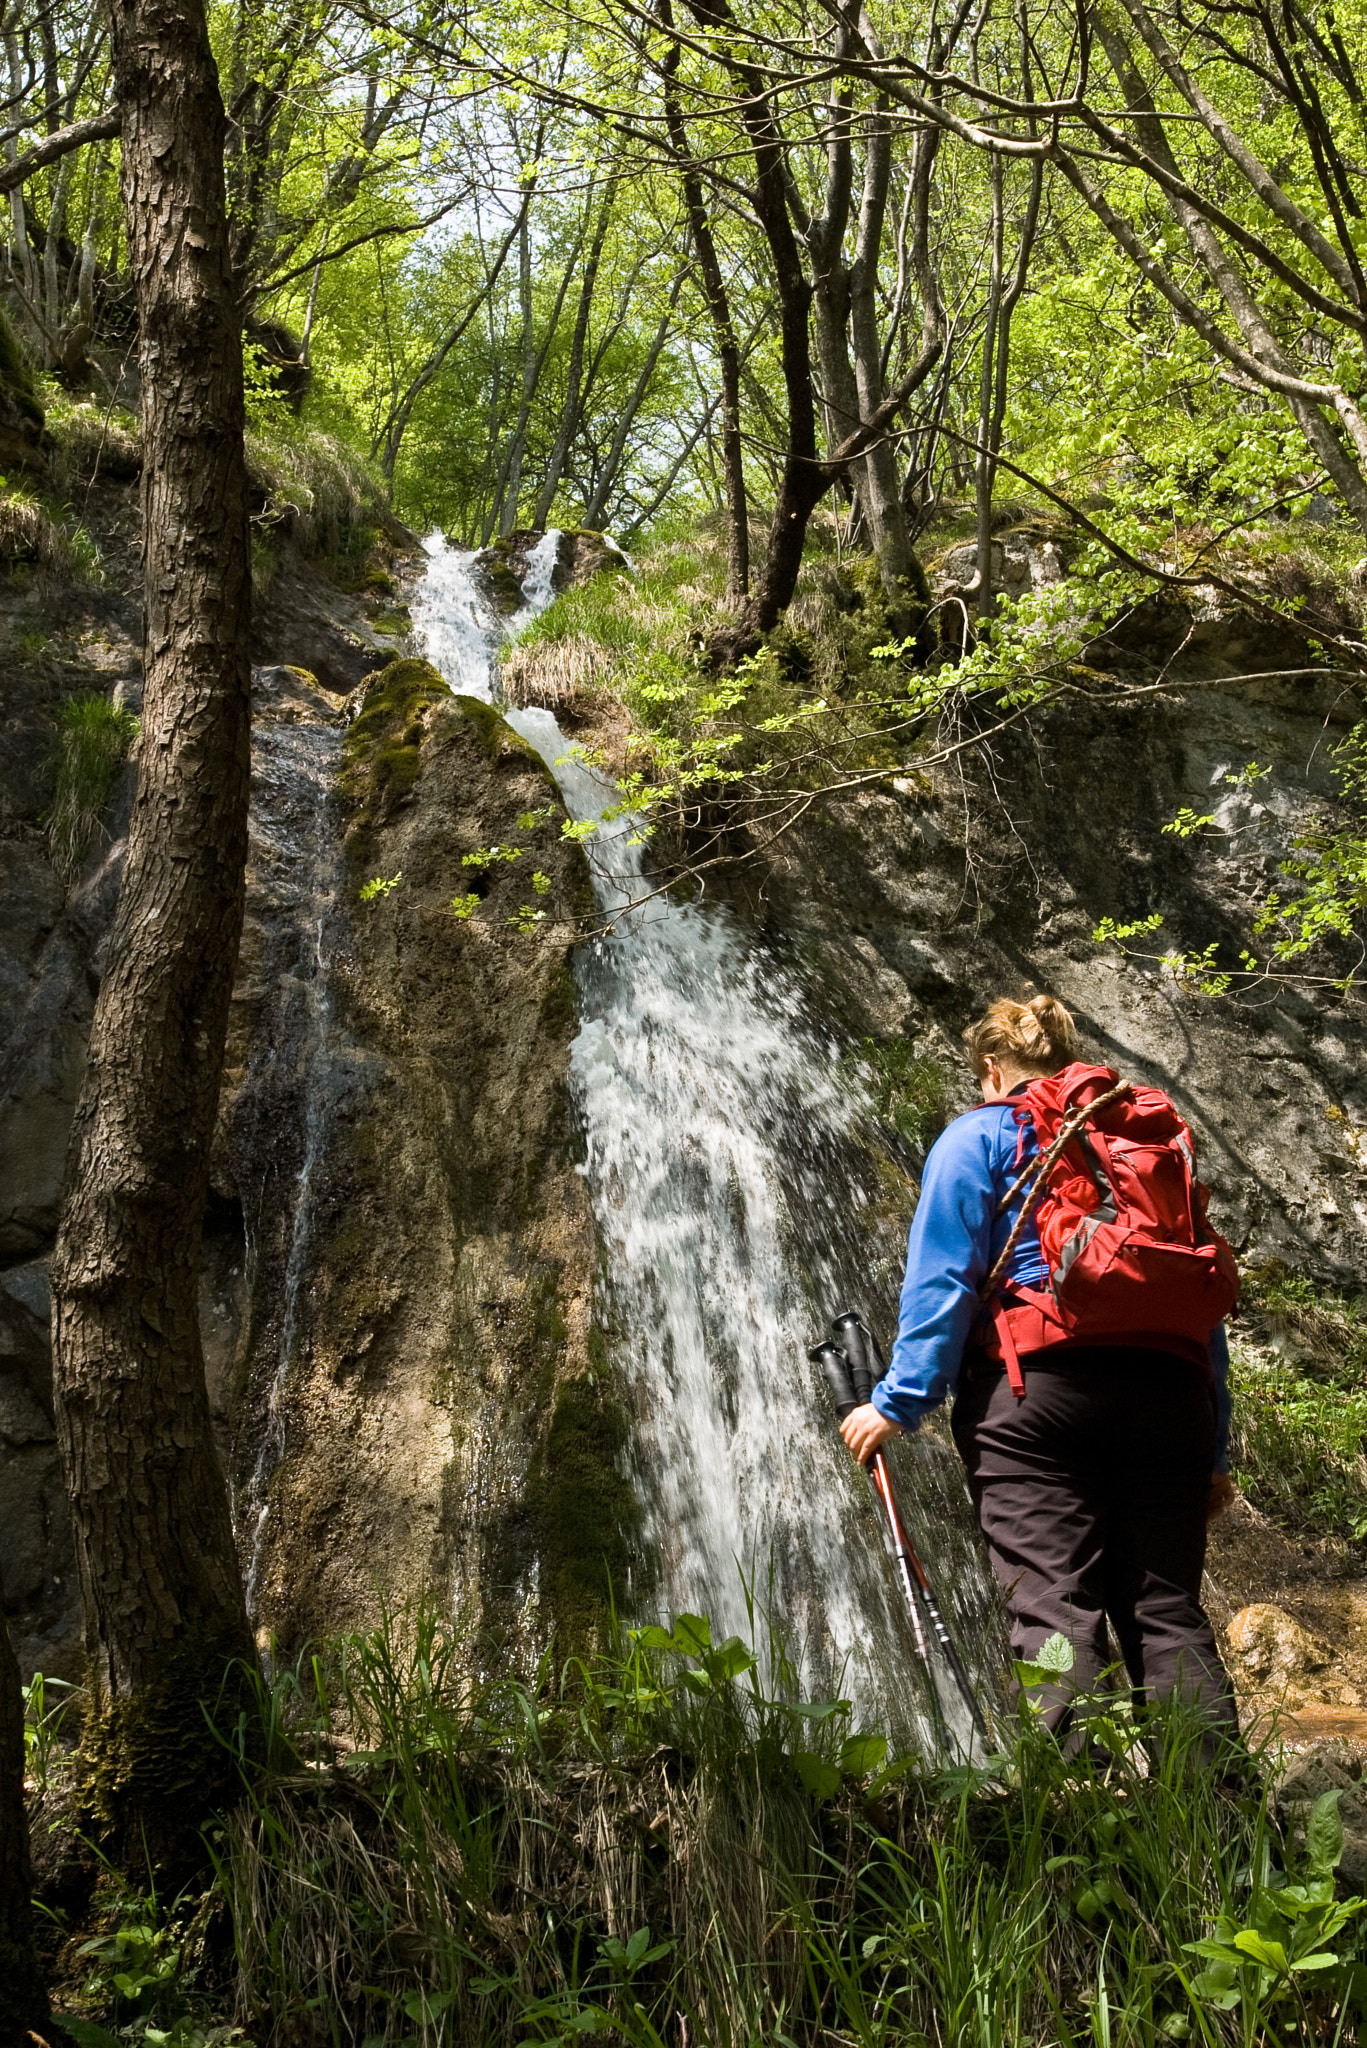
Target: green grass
[[654, 1847], [1300, 1407], [911, 1090], [93, 738]]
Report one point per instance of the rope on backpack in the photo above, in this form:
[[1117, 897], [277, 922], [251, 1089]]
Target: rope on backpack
[[1040, 1169]]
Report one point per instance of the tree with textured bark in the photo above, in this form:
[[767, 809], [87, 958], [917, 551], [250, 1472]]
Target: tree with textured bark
[[23, 1999], [164, 1610]]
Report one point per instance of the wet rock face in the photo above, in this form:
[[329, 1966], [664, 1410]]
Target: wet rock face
[[396, 1132], [1272, 1648]]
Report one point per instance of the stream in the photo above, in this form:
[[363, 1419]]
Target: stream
[[719, 1148]]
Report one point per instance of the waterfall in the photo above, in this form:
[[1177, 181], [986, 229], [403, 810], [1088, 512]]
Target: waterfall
[[732, 1202]]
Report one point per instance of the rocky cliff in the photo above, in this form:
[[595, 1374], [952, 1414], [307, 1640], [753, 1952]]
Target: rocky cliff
[[400, 1260], [398, 1263]]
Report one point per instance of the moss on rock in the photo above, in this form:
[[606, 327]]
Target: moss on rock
[[382, 753], [17, 382], [587, 1516]]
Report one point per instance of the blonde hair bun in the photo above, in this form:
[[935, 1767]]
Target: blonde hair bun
[[1039, 1035]]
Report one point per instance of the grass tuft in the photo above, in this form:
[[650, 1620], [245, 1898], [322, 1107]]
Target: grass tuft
[[315, 490], [655, 1846], [93, 739]]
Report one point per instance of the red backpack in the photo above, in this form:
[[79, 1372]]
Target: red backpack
[[1122, 1225]]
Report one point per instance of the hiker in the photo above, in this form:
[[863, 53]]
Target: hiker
[[1095, 1459]]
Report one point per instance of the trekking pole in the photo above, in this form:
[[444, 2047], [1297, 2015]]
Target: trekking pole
[[860, 1348], [836, 1368]]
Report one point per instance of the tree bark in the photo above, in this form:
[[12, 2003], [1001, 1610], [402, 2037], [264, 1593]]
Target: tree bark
[[164, 1609], [574, 375], [723, 333], [23, 1999]]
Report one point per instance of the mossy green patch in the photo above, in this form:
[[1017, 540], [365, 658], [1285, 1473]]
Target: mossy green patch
[[560, 1004], [504, 583], [152, 1768], [495, 735], [869, 617], [382, 752], [911, 1090], [1300, 1409], [587, 1516]]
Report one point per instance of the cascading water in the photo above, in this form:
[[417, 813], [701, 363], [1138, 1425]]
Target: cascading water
[[299, 1080], [734, 1217]]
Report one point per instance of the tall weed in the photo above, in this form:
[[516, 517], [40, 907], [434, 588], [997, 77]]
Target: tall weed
[[654, 1847], [93, 738]]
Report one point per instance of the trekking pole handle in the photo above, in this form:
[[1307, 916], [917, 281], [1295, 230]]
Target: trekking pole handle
[[835, 1367], [858, 1345]]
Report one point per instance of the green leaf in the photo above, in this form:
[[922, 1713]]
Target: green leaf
[[729, 1660], [821, 1778], [86, 2034], [422, 2006], [1269, 1953], [1056, 1657], [818, 1710], [1219, 1989], [863, 1753], [693, 1633], [1324, 1834]]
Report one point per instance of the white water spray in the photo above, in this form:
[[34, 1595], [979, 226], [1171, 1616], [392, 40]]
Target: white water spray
[[727, 1198]]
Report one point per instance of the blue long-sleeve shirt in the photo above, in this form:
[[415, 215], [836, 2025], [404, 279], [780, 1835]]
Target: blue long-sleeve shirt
[[956, 1238]]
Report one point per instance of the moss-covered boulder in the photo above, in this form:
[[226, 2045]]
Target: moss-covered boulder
[[419, 1324]]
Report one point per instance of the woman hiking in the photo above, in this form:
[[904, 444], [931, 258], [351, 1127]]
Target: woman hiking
[[1095, 1453]]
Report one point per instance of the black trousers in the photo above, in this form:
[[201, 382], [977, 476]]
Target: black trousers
[[1092, 1495]]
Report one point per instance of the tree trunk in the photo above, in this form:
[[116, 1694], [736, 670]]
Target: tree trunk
[[23, 2000], [881, 490], [574, 375], [164, 1610], [723, 334]]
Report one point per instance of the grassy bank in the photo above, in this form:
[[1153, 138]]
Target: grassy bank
[[659, 1849], [1300, 1408]]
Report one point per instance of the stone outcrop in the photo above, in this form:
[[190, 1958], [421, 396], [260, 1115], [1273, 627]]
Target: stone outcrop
[[1271, 1648], [395, 1136], [398, 1256]]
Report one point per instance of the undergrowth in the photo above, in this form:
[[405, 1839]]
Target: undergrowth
[[314, 490], [657, 1847], [93, 739], [1300, 1407], [911, 1090]]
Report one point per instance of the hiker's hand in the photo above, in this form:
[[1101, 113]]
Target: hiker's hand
[[1222, 1495], [865, 1431]]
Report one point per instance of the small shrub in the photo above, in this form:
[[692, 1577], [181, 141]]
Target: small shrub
[[1300, 1406], [910, 1089], [93, 738]]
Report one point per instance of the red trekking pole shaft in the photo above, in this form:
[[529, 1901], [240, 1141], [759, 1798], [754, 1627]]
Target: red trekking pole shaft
[[849, 1372], [912, 1569]]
